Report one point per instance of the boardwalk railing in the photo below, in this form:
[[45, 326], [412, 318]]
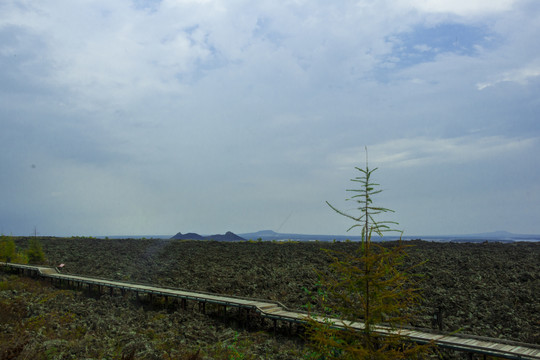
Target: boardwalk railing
[[278, 312]]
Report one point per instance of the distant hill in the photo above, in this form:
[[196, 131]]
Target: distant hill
[[268, 235], [497, 236], [188, 236], [265, 233], [228, 236]]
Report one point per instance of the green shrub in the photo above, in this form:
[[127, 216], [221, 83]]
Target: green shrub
[[8, 251], [20, 258], [35, 252]]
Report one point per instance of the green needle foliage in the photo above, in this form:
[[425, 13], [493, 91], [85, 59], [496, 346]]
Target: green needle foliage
[[370, 286], [35, 252], [8, 251], [367, 211]]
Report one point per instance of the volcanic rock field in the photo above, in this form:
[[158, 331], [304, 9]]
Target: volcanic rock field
[[488, 289]]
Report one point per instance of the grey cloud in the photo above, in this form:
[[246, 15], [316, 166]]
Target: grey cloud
[[164, 116]]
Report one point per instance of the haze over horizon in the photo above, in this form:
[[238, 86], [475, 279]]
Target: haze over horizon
[[153, 117], [493, 235]]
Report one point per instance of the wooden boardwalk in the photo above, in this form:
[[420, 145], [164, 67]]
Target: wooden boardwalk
[[278, 312]]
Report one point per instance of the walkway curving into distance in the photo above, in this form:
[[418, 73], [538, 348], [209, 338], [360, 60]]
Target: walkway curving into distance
[[278, 312]]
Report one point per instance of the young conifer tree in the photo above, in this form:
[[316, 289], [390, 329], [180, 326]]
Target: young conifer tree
[[9, 253], [7, 248], [370, 286], [35, 252]]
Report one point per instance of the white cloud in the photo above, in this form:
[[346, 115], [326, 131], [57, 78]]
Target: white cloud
[[460, 7], [424, 152], [520, 76], [423, 48]]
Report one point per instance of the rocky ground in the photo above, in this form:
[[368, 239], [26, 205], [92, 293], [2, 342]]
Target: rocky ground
[[483, 289]]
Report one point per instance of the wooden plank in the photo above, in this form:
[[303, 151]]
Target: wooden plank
[[273, 310]]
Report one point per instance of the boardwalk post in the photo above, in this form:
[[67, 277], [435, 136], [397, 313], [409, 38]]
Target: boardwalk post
[[439, 318], [240, 314], [247, 318]]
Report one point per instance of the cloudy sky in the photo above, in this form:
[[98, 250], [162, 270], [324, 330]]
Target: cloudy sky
[[154, 117]]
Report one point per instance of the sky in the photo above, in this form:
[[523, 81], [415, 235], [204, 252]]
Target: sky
[[155, 117]]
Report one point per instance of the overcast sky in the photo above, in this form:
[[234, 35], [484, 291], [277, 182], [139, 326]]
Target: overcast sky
[[157, 117]]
